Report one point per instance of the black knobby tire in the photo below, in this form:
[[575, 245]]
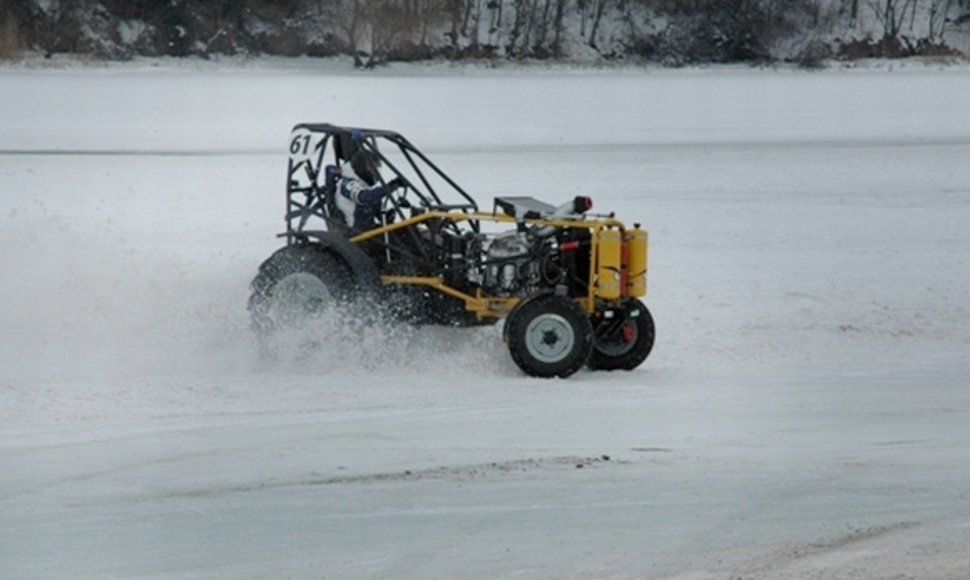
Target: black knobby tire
[[299, 282], [363, 271], [549, 336], [625, 348]]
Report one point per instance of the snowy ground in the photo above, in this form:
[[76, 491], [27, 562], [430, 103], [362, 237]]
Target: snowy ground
[[805, 414]]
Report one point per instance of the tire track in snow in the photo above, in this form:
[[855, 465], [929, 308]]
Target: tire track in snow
[[816, 556], [472, 472]]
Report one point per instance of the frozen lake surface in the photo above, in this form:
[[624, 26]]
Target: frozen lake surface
[[805, 413]]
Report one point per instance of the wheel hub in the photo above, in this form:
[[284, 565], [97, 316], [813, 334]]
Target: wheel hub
[[297, 296], [629, 332], [549, 338], [620, 341]]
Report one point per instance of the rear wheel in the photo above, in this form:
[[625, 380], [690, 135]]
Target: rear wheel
[[298, 283], [549, 336], [624, 339]]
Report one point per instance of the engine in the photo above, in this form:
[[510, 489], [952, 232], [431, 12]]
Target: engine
[[510, 265], [522, 261], [513, 263]]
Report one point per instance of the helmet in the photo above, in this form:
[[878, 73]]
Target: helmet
[[365, 164]]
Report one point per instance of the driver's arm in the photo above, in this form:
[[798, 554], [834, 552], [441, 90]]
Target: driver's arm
[[356, 191]]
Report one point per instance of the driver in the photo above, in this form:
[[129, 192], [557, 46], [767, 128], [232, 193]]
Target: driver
[[360, 191]]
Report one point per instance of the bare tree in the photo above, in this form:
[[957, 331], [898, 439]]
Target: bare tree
[[890, 14], [472, 14], [520, 27], [351, 25], [599, 8], [10, 41], [938, 19], [557, 25], [56, 28], [853, 8]]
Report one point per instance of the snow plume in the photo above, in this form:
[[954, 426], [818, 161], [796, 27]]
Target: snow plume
[[83, 305], [341, 344], [96, 320]]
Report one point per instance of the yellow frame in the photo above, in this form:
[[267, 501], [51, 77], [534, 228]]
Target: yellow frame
[[494, 306]]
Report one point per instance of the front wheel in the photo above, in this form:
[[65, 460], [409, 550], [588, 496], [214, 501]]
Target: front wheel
[[549, 336], [624, 338]]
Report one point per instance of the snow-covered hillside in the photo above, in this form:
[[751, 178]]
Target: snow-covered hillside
[[375, 31], [804, 413]]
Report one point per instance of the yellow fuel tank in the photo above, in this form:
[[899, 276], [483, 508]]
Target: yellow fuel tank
[[636, 267], [608, 264]]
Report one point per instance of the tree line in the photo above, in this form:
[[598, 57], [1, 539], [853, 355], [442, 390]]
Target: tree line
[[673, 32]]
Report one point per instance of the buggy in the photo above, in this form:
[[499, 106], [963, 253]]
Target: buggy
[[567, 282]]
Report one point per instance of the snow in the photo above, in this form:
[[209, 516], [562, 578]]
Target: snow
[[804, 413], [129, 31]]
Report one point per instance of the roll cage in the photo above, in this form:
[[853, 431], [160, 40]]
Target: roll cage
[[314, 146]]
